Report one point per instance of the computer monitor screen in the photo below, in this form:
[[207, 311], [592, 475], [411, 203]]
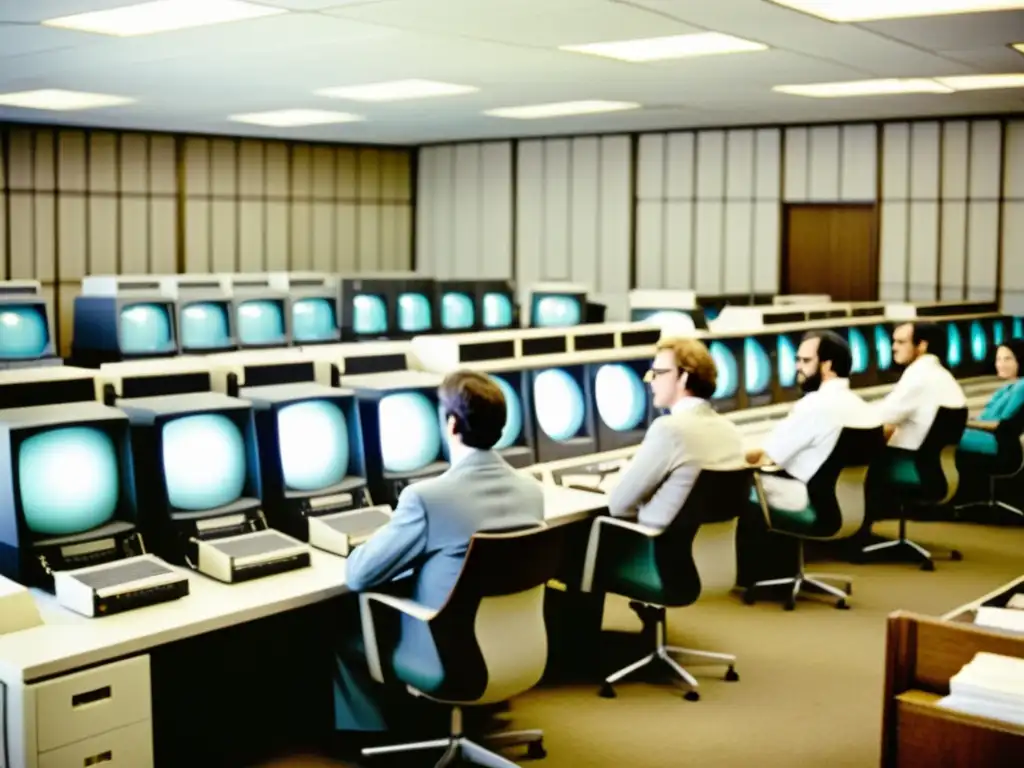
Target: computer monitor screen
[[712, 313], [513, 415], [858, 350], [314, 319], [728, 371], [457, 311], [1018, 327], [883, 348], [998, 332], [757, 367], [204, 461], [313, 440], [369, 314], [261, 323], [954, 346], [554, 311], [413, 313], [497, 310], [672, 319], [145, 329], [68, 479], [23, 332], [786, 360], [205, 325], [621, 397], [410, 432], [979, 342], [558, 404]]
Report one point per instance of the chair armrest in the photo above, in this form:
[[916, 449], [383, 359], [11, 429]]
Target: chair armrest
[[594, 542], [400, 604], [769, 469], [984, 426], [762, 499]]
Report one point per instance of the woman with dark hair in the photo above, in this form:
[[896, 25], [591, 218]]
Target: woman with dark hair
[[1006, 403]]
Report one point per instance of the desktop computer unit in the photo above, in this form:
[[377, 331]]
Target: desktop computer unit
[[675, 312], [259, 368], [205, 316], [415, 308], [313, 302], [556, 305], [68, 510], [261, 313], [25, 338], [619, 396], [760, 369], [122, 318], [150, 378], [729, 356], [555, 398]]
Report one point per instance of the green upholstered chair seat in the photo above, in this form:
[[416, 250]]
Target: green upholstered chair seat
[[901, 470], [979, 442], [629, 567], [801, 521]]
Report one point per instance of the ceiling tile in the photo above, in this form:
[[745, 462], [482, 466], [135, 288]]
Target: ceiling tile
[[22, 11], [938, 33]]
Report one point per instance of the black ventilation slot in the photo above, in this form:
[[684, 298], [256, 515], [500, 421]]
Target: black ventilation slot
[[548, 345], [489, 350], [165, 384], [594, 341]]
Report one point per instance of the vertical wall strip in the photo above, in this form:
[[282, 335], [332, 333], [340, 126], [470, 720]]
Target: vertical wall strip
[[1001, 207], [55, 139], [693, 209], [634, 175], [967, 209], [149, 202], [879, 202], [5, 158], [238, 204], [412, 159], [514, 214], [908, 237], [940, 208], [181, 199], [87, 193], [118, 213]]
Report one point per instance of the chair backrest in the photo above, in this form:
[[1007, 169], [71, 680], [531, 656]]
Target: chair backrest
[[697, 551], [490, 634], [836, 491], [935, 460]]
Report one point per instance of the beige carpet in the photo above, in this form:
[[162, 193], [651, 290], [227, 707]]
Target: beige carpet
[[810, 692]]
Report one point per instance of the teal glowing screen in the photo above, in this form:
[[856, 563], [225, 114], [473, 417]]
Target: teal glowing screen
[[1018, 327], [23, 332], [203, 461], [513, 415], [979, 342], [145, 329], [757, 367], [954, 351], [413, 313], [858, 350], [621, 397], [998, 332], [69, 480], [457, 311], [314, 319], [558, 404], [313, 440], [786, 354], [557, 311], [497, 310], [204, 325], [728, 371], [410, 433], [261, 323], [369, 315], [883, 348]]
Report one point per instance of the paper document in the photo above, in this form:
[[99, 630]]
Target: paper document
[[1000, 618]]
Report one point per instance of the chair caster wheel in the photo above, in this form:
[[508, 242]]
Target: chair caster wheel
[[691, 696], [842, 605], [731, 676], [606, 692], [956, 555], [748, 596], [789, 605], [536, 751], [927, 565], [849, 588]]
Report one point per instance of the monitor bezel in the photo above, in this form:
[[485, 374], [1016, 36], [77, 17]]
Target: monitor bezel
[[304, 292], [240, 298], [585, 441], [537, 296], [37, 301], [184, 303], [609, 439]]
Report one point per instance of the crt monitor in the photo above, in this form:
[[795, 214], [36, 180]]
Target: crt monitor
[[496, 305], [881, 342], [312, 304], [563, 420], [311, 453], [66, 490], [206, 321], [457, 305], [786, 347], [109, 329], [556, 305], [759, 369], [367, 306], [728, 354], [261, 313], [198, 469], [620, 400], [671, 320], [863, 369], [414, 307], [25, 337], [402, 435]]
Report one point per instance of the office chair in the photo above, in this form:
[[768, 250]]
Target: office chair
[[660, 569], [996, 451], [835, 511], [488, 642], [927, 476]]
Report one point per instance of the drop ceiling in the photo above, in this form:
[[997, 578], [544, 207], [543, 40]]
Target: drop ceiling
[[192, 80]]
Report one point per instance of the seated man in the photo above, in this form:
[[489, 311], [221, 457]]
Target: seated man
[[691, 437], [432, 525], [801, 442]]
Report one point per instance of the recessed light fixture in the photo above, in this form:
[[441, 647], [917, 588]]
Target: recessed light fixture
[[874, 10], [61, 101], [293, 118], [1019, 47], [982, 82], [162, 16], [865, 88], [663, 48], [396, 90], [561, 109]]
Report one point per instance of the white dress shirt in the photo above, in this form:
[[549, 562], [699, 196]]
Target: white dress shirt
[[925, 386], [802, 441]]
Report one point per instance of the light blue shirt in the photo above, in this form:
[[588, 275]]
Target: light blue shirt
[[1004, 404]]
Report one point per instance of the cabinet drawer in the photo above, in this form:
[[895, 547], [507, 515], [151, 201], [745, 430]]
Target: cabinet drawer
[[127, 747], [83, 704]]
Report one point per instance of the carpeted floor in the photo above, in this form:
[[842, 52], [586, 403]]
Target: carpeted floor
[[810, 692]]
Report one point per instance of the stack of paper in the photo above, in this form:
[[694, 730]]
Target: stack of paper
[[1009, 619], [990, 685]]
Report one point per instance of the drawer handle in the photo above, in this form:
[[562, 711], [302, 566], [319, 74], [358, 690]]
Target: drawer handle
[[90, 697], [102, 757]]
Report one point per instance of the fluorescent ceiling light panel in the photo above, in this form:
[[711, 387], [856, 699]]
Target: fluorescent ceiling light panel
[[874, 10], [982, 82], [291, 118], [561, 109], [162, 16], [61, 101], [396, 90], [663, 48], [864, 88], [1019, 47]]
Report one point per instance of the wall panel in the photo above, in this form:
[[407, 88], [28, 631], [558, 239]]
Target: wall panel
[[859, 163], [495, 252], [824, 159], [556, 220], [796, 164]]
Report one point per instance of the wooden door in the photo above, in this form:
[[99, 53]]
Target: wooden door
[[831, 249]]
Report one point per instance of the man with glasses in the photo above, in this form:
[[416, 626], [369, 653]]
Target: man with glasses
[[801, 442], [692, 436]]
